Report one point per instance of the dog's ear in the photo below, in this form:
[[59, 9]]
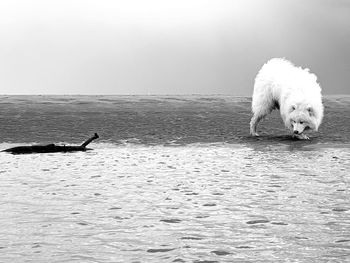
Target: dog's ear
[[311, 111]]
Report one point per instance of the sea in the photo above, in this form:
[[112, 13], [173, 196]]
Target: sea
[[171, 179]]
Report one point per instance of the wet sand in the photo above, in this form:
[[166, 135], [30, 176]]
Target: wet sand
[[194, 203]]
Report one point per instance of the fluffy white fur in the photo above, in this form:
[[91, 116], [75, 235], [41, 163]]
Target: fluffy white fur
[[293, 90]]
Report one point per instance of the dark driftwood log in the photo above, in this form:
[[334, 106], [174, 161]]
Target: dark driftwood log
[[90, 140], [51, 148]]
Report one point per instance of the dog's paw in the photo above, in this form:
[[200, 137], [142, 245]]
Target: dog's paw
[[301, 136], [254, 134]]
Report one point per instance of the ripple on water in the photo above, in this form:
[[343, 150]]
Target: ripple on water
[[191, 238], [220, 252], [258, 221], [114, 208], [342, 241], [159, 250], [340, 209], [171, 221], [210, 204]]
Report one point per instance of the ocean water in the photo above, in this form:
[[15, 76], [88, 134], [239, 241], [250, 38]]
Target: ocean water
[[171, 179]]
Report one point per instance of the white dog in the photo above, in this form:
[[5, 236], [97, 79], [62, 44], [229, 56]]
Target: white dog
[[292, 90]]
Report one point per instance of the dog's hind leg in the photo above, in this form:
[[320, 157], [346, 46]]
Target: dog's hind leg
[[262, 104], [254, 123], [260, 111]]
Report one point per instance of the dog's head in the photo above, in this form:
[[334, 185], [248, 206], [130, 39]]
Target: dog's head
[[302, 119]]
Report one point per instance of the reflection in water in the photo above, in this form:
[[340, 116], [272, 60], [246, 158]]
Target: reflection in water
[[194, 203]]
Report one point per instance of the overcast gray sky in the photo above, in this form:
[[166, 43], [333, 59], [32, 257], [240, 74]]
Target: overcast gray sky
[[167, 46]]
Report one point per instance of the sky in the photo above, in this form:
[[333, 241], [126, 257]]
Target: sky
[[127, 47]]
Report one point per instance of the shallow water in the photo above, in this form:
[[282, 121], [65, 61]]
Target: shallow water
[[154, 120], [149, 197]]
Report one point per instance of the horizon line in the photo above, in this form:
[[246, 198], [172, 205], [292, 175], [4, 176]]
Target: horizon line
[[153, 95]]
